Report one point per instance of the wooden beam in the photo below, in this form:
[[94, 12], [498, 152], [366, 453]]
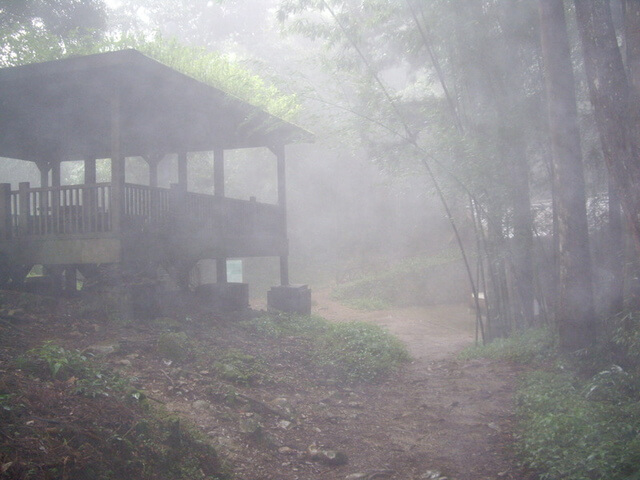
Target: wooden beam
[[25, 208], [55, 173], [5, 211], [221, 270], [282, 202], [44, 169], [90, 173], [117, 165], [218, 172], [182, 170], [153, 160]]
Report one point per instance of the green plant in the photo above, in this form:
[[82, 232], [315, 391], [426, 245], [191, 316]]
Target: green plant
[[567, 433], [353, 351], [534, 345], [358, 351], [174, 345], [367, 303], [280, 324], [402, 283], [82, 372], [238, 367], [59, 360]]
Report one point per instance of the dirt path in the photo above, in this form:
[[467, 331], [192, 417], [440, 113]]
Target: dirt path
[[431, 333], [450, 417], [436, 418]]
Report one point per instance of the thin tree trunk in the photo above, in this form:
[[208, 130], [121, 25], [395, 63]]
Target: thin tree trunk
[[615, 253], [574, 310]]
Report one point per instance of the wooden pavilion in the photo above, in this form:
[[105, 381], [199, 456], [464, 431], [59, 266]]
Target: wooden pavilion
[[123, 104]]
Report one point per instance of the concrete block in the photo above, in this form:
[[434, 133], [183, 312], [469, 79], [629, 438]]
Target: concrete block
[[290, 299], [224, 296]]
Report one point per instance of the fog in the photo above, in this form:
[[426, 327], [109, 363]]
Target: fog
[[430, 123]]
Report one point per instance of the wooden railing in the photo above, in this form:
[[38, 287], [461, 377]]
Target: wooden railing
[[231, 217], [86, 209], [146, 207], [66, 210]]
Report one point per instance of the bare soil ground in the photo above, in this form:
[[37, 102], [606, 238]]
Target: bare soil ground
[[438, 417]]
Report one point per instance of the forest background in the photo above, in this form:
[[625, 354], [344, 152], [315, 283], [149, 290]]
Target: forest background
[[505, 129]]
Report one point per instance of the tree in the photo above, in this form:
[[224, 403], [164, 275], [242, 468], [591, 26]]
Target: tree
[[37, 30], [574, 308]]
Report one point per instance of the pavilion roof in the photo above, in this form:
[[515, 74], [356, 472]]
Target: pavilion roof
[[65, 109]]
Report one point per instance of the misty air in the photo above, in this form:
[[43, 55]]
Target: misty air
[[319, 239]]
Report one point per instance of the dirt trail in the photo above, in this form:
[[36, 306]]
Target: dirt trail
[[431, 333], [436, 418], [449, 417]]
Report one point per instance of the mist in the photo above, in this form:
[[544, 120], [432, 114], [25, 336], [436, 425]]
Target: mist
[[338, 238]]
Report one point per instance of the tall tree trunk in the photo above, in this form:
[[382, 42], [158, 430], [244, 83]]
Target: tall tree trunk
[[615, 253], [574, 309], [610, 97]]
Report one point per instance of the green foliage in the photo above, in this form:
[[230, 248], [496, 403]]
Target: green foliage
[[60, 362], [209, 67], [359, 352], [532, 346], [352, 352], [174, 345], [400, 284], [568, 432], [624, 330], [51, 361], [580, 421], [281, 325], [240, 368], [367, 303]]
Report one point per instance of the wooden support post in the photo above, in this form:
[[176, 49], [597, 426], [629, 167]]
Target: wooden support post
[[55, 273], [221, 270], [282, 202], [153, 174], [44, 174], [90, 174], [70, 279], [153, 160], [89, 196], [24, 213], [117, 166], [55, 173], [55, 194], [5, 211], [218, 191], [182, 170], [218, 172]]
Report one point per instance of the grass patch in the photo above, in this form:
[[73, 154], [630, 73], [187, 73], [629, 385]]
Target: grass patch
[[576, 429], [85, 376], [367, 303], [240, 368], [350, 352], [402, 284], [70, 417], [579, 414], [359, 352], [529, 346]]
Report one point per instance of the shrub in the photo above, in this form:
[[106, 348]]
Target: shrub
[[241, 368], [535, 345], [403, 283], [358, 351], [174, 345], [353, 352], [88, 378], [566, 433]]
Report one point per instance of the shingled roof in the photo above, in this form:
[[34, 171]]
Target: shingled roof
[[65, 109]]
